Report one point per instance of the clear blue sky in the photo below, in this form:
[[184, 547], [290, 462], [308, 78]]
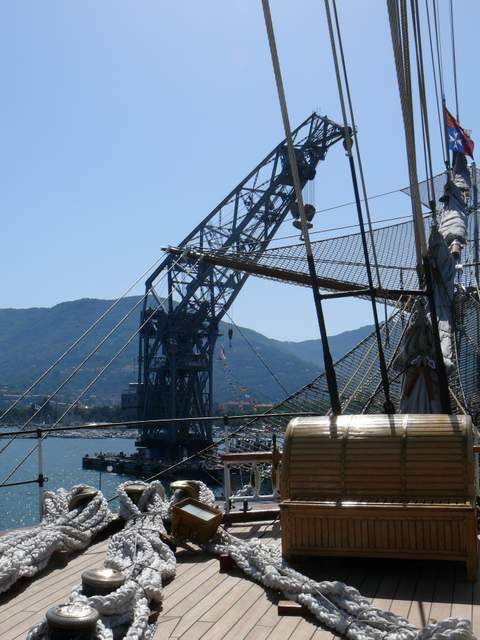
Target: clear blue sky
[[123, 123]]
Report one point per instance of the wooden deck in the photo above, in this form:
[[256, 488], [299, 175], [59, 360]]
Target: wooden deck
[[201, 602]]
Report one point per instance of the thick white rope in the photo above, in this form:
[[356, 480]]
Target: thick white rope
[[148, 562], [144, 559], [24, 554], [335, 605]]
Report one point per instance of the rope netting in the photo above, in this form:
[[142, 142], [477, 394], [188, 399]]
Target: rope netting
[[467, 334], [359, 385], [339, 261], [425, 189], [359, 381]]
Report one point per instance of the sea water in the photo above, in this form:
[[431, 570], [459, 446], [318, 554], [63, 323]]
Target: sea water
[[62, 460]]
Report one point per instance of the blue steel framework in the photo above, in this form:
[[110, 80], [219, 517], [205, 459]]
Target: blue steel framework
[[177, 341]]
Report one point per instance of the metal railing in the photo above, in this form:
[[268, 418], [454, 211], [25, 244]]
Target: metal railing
[[42, 433]]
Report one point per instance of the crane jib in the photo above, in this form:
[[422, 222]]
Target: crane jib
[[177, 339]]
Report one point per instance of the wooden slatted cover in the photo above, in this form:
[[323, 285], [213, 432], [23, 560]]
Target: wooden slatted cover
[[400, 457]]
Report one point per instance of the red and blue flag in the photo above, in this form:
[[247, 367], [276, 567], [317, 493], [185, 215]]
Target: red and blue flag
[[458, 138]]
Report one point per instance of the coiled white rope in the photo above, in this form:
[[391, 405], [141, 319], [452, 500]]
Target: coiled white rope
[[148, 562], [25, 554], [144, 559], [335, 605]]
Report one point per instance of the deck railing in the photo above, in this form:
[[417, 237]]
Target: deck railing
[[41, 433]]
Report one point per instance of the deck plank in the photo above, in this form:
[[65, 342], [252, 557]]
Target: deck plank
[[164, 626], [386, 592], [202, 603], [258, 633], [245, 624], [61, 586], [56, 567], [284, 628], [187, 587], [227, 602], [476, 605], [33, 589], [242, 607], [197, 630], [322, 634], [462, 596], [197, 603], [442, 596], [419, 613], [304, 630], [270, 617], [402, 601]]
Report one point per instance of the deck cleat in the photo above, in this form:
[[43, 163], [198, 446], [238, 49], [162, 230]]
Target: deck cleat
[[82, 498], [134, 491], [101, 582], [67, 621]]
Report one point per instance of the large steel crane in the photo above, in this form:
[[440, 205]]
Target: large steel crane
[[178, 335]]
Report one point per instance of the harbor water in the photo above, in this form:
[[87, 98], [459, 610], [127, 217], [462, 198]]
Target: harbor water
[[63, 468]]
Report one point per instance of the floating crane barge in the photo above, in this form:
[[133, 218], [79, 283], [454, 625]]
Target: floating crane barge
[[178, 334]]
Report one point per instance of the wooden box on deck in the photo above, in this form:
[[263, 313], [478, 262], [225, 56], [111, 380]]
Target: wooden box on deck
[[401, 486]]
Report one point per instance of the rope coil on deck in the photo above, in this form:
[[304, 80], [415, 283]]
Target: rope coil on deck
[[62, 529], [141, 555], [147, 562], [335, 605]]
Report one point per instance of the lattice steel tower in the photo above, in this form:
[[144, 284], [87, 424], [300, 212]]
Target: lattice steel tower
[[178, 336]]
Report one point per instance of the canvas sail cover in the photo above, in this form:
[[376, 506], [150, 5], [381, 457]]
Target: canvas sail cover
[[417, 358], [443, 268], [453, 222], [416, 361]]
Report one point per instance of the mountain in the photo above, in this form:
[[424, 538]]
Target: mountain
[[311, 350], [31, 339]]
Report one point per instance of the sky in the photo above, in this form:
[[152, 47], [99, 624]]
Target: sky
[[124, 122]]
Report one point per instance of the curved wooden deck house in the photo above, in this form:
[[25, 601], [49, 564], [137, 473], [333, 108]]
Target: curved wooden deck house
[[401, 486]]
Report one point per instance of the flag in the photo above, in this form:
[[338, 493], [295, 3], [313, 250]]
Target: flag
[[458, 139]]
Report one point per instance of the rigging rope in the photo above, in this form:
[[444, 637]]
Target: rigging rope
[[85, 360], [225, 305], [76, 369], [327, 356], [399, 35], [423, 103], [435, 82], [438, 41], [348, 147], [77, 341], [330, 229], [454, 59], [359, 158], [146, 561], [310, 397], [259, 356], [337, 606], [85, 389]]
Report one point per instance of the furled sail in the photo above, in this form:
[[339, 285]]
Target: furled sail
[[416, 361], [417, 358], [443, 268], [453, 222]]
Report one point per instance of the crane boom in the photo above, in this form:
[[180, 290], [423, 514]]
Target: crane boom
[[178, 335]]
